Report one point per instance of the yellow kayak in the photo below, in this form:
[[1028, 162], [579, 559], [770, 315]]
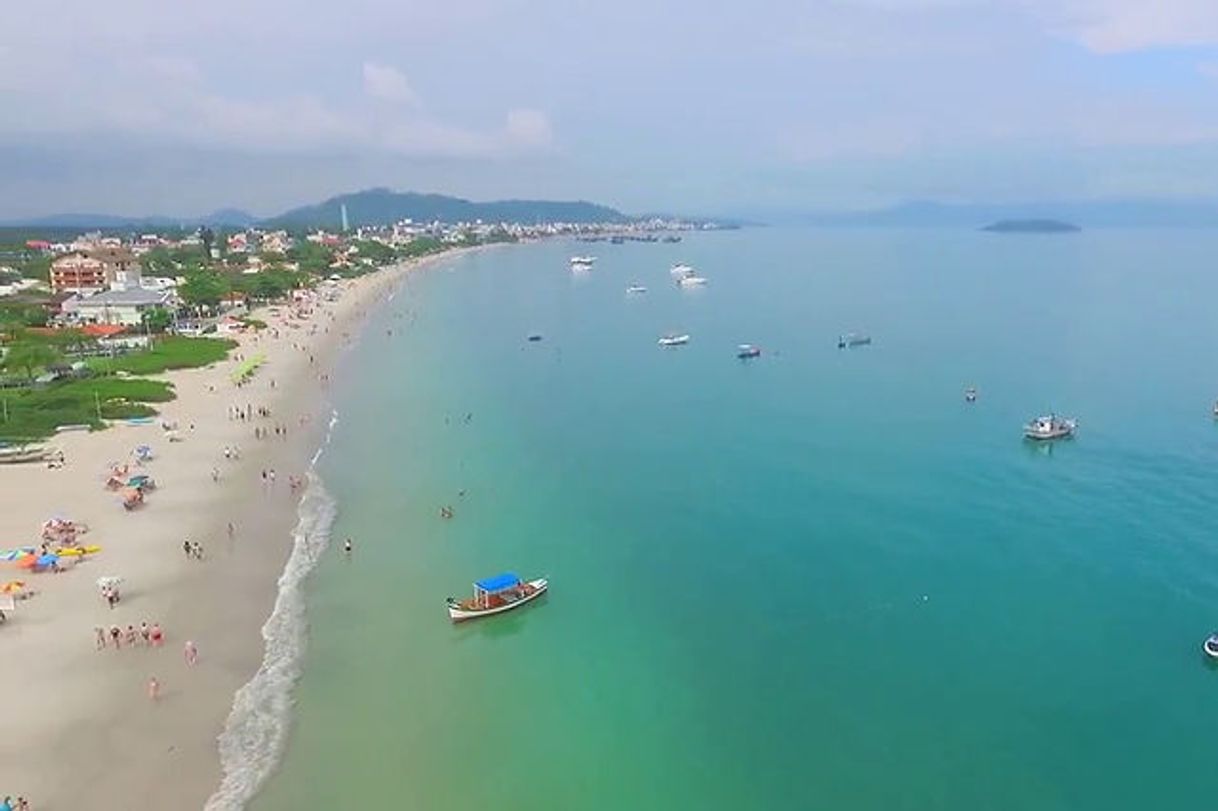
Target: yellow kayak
[[78, 550]]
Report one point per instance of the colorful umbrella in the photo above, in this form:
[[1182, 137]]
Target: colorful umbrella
[[12, 586], [15, 554], [27, 561], [46, 560]]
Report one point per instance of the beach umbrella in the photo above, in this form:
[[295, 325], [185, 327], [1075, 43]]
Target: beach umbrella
[[46, 560], [27, 561], [12, 587], [15, 554]]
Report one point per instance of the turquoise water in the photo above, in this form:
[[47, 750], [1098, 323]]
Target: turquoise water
[[815, 580]]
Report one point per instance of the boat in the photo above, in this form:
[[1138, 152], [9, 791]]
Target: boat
[[617, 240], [1049, 427], [970, 395], [534, 337], [851, 339], [23, 453], [671, 238], [681, 270], [583, 262], [672, 339], [691, 281], [1210, 645], [636, 288], [494, 595], [745, 351], [1216, 409]]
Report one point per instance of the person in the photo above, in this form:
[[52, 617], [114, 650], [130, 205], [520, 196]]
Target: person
[[129, 638], [7, 805], [190, 653], [144, 632], [116, 634], [155, 635], [232, 531], [347, 546], [154, 689], [100, 632], [22, 805], [186, 548]]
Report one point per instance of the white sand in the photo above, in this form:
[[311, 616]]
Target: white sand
[[78, 729]]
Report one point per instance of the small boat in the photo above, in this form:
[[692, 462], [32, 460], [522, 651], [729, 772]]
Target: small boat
[[673, 339], [636, 288], [494, 595], [23, 453], [584, 262], [852, 339], [681, 270], [970, 395], [1210, 646], [745, 351], [671, 238], [691, 281], [534, 337], [617, 240], [1216, 409], [1049, 427]]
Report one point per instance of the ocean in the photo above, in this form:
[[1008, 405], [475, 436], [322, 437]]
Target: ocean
[[817, 579]]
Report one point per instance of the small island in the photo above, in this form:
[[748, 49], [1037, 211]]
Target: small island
[[1032, 227]]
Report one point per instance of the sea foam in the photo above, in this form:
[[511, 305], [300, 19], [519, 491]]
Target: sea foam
[[256, 731]]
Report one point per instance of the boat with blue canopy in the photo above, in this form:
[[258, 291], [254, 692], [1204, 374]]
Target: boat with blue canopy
[[494, 595]]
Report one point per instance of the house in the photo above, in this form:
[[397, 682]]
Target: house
[[93, 270], [118, 306]]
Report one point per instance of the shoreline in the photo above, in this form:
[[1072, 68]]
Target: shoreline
[[88, 735]]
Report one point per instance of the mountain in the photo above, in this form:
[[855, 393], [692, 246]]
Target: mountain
[[1032, 227], [110, 222], [1086, 214], [383, 206]]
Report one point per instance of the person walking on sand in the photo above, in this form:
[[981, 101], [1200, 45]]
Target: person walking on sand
[[154, 689], [190, 653], [186, 548], [100, 633]]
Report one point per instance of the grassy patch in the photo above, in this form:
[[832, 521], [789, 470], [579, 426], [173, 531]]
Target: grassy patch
[[168, 352], [35, 413]]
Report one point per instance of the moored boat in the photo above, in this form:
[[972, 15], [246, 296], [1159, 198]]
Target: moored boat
[[970, 395], [681, 270], [745, 351], [494, 595], [1049, 426], [691, 281], [851, 339], [636, 288], [672, 339], [583, 260], [1210, 645]]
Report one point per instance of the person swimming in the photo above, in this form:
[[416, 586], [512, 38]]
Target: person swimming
[[347, 546]]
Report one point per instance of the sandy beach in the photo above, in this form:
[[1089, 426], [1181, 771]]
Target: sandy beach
[[80, 728]]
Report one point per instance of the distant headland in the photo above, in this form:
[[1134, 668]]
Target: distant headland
[[1031, 227]]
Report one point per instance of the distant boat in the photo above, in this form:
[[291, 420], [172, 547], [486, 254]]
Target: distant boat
[[1049, 427], [970, 395], [681, 270], [534, 336], [673, 339], [582, 262], [853, 339], [617, 240], [636, 288], [1210, 646], [494, 595], [691, 281], [671, 238], [1216, 409], [745, 351]]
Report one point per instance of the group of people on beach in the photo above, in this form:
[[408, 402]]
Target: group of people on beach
[[151, 636], [192, 549], [9, 804]]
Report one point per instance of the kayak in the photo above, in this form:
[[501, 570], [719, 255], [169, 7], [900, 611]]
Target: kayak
[[78, 550]]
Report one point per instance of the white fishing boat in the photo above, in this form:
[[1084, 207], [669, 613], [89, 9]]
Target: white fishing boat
[[495, 595], [636, 289], [681, 270], [691, 281], [582, 262], [1048, 427], [673, 339]]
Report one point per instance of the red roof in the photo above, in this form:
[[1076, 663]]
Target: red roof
[[38, 245], [102, 330]]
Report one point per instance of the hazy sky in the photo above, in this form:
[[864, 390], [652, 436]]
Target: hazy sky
[[180, 106]]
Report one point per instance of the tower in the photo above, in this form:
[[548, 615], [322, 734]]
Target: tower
[[343, 208]]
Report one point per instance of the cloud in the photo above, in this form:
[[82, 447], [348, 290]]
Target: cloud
[[1118, 26], [388, 84]]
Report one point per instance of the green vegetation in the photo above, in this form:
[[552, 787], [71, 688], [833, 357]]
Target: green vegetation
[[311, 257], [29, 356], [157, 320], [21, 314], [35, 413], [168, 352]]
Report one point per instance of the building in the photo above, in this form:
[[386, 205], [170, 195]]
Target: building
[[125, 307], [94, 270]]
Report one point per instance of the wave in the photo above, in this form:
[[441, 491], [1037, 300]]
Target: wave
[[256, 731]]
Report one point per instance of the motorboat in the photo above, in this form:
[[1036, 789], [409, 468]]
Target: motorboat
[[691, 281], [852, 339], [970, 395], [681, 270], [745, 351], [1050, 426], [534, 337], [586, 261], [495, 595], [671, 238], [636, 288], [1210, 645], [672, 339]]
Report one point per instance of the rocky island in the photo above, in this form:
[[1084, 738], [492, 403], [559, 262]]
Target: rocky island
[[1032, 227]]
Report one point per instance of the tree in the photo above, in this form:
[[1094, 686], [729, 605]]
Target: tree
[[28, 356], [204, 289], [157, 319], [208, 237]]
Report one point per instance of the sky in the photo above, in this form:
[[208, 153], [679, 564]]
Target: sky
[[178, 108]]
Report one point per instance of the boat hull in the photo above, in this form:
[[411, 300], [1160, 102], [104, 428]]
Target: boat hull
[[458, 614]]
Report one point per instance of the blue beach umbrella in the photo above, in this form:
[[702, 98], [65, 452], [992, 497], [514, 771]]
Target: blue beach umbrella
[[46, 560]]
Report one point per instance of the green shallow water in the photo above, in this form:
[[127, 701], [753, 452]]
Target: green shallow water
[[816, 580]]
